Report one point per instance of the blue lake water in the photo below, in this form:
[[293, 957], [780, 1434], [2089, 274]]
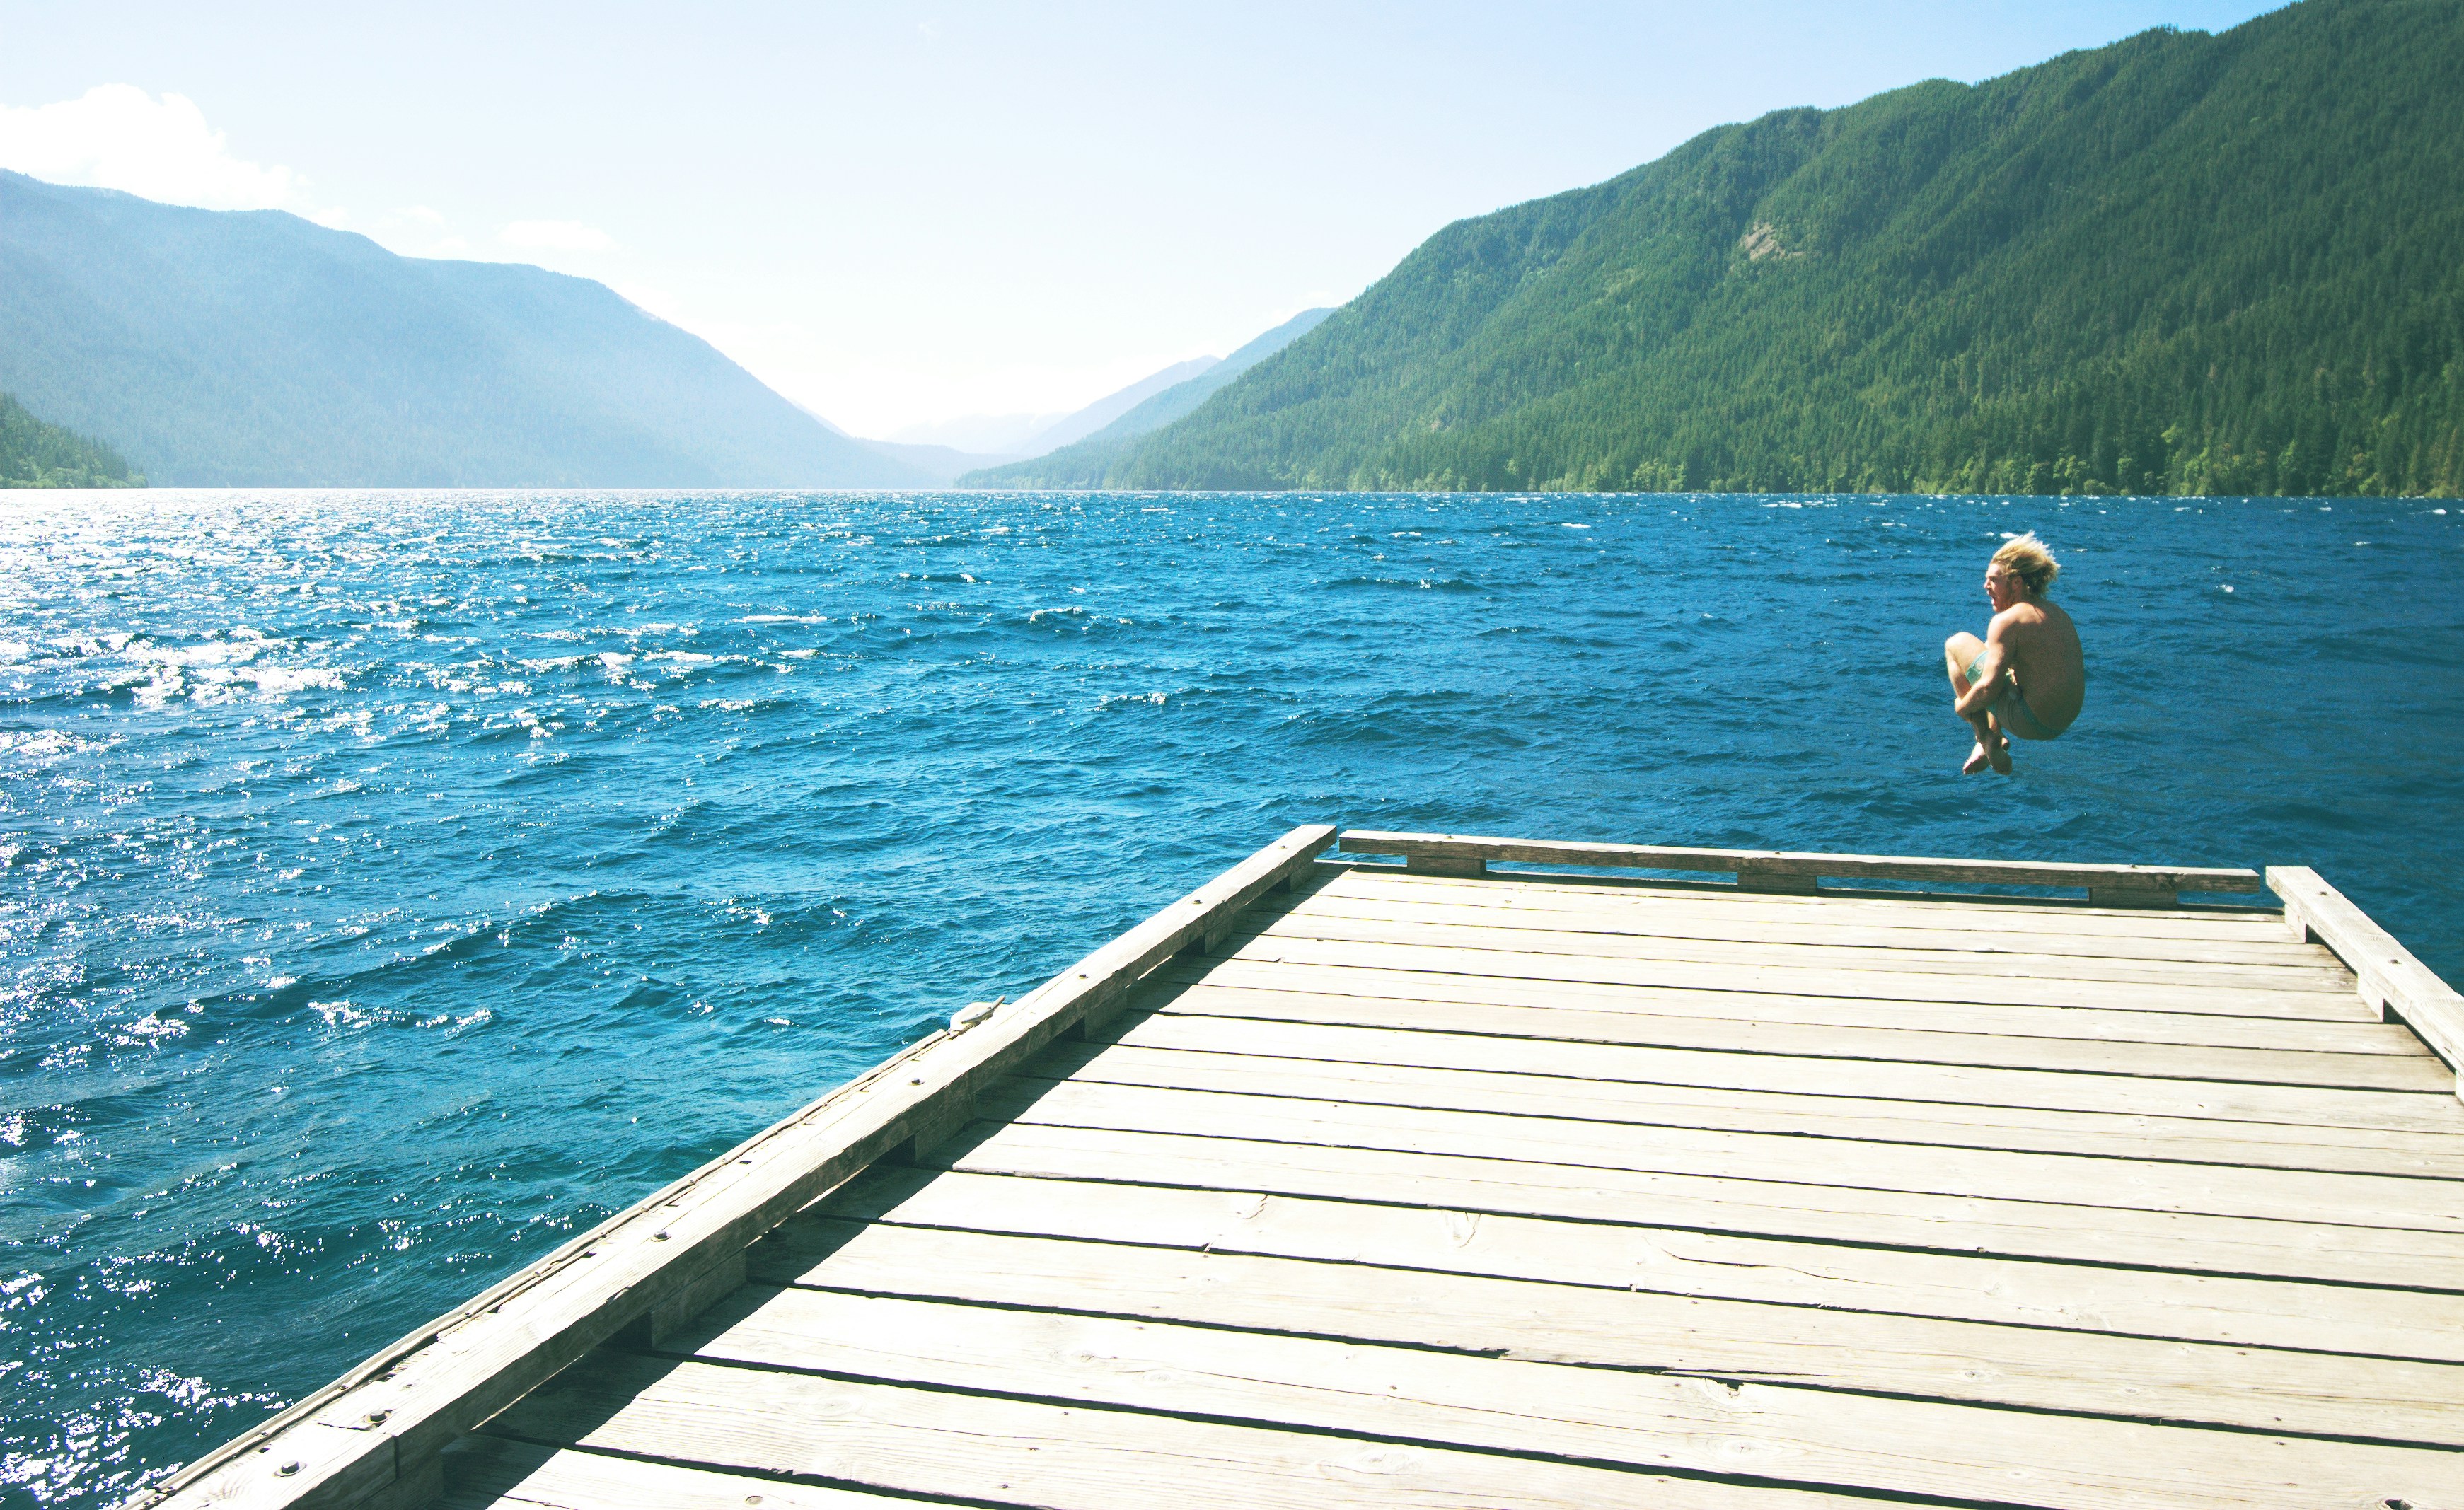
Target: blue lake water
[[397, 882]]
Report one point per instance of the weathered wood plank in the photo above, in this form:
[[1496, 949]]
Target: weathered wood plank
[[2190, 1243], [1880, 908], [1885, 985], [986, 1449], [1846, 1277], [1893, 1447], [2397, 1071], [396, 1411], [2402, 1111], [2299, 1033], [1772, 862], [2389, 977], [2019, 1129], [2360, 1200], [487, 1472], [1645, 912], [1311, 919], [2124, 1378]]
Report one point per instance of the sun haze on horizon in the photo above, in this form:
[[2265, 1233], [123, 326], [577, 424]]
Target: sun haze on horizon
[[899, 215]]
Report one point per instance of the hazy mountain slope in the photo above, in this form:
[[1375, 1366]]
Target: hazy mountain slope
[[2182, 263], [1185, 397], [1109, 409], [34, 454], [996, 438], [940, 465], [255, 348], [1071, 466]]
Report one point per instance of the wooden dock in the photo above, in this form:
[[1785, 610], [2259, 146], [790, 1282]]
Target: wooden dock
[[1350, 1185]]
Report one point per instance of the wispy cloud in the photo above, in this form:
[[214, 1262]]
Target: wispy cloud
[[556, 236], [117, 136]]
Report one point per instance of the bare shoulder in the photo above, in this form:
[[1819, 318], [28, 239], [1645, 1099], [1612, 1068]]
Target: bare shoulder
[[2050, 623], [2017, 621]]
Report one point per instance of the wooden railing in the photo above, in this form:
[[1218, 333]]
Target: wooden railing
[[1791, 871], [372, 1438], [2402, 988]]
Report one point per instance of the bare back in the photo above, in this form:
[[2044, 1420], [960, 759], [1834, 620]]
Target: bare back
[[2040, 650]]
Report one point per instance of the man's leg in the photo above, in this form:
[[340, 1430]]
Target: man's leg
[[1992, 750]]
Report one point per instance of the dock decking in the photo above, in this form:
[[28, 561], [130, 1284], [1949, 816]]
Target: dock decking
[[1369, 1185]]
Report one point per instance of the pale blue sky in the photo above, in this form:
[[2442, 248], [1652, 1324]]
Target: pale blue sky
[[900, 213]]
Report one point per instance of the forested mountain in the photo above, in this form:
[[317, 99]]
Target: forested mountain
[[34, 454], [255, 348], [2182, 263], [1077, 466]]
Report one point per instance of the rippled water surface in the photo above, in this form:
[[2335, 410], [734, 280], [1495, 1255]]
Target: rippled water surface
[[395, 884]]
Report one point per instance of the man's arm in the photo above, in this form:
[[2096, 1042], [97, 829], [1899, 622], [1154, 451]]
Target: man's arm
[[1993, 660]]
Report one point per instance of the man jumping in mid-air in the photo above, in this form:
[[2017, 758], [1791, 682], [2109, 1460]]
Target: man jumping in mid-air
[[2026, 677]]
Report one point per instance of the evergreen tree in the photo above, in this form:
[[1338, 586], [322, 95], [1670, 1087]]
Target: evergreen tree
[[34, 454]]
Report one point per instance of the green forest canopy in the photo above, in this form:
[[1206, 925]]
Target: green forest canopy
[[2181, 264], [34, 454]]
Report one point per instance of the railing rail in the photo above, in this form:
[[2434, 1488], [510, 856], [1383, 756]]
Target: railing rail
[[372, 1439], [1793, 871], [2391, 978]]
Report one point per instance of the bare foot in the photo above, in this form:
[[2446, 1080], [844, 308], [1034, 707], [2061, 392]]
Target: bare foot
[[2000, 757], [1978, 760]]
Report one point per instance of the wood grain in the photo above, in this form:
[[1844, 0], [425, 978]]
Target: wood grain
[[1874, 983], [1843, 1276], [1793, 862], [2186, 1241], [987, 1449], [2117, 1377], [2359, 1201], [1774, 1433], [2191, 1140], [2398, 1070], [2129, 1095]]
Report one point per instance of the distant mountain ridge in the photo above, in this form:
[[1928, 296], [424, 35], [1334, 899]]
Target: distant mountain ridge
[[255, 348], [944, 445], [1068, 466], [2182, 263], [1109, 409]]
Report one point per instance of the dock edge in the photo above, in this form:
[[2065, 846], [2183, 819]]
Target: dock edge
[[373, 1439], [2402, 988]]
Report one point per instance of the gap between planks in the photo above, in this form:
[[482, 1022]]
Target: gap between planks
[[2187, 1139], [992, 1450], [1989, 1289], [2339, 1037], [2350, 1201], [1876, 984], [2190, 1242], [1931, 952], [2417, 1071], [2127, 1378], [2393, 1111], [1777, 1433], [1975, 909], [1823, 922]]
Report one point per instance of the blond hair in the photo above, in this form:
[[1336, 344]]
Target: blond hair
[[2027, 558]]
